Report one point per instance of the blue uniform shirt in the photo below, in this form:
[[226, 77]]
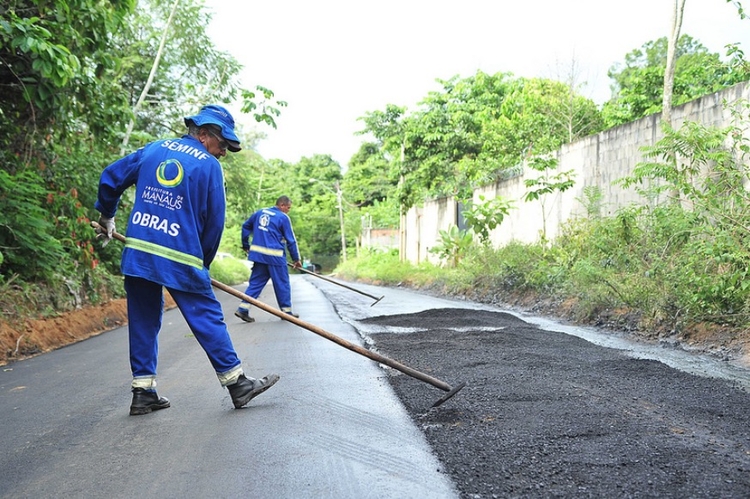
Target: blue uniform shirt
[[272, 234], [178, 213]]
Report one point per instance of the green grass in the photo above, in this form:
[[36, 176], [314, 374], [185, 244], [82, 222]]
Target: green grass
[[229, 270]]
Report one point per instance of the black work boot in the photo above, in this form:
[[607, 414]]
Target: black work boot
[[242, 314], [246, 389], [145, 401]]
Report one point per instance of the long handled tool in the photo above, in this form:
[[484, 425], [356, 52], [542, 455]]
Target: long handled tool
[[325, 334], [340, 284]]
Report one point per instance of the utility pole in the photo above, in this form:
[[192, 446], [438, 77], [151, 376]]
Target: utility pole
[[341, 221], [340, 206]]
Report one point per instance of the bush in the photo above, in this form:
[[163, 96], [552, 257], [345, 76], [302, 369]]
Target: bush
[[229, 270]]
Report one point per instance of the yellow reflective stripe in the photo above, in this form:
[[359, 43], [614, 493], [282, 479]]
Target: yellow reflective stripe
[[230, 377], [145, 382], [169, 254], [267, 251]]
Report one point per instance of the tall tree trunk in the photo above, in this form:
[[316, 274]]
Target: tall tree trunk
[[151, 75], [666, 105], [674, 36]]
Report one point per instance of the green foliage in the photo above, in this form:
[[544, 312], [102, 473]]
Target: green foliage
[[386, 268], [26, 227], [53, 58], [266, 110], [388, 127], [453, 245], [70, 74], [592, 200], [740, 9], [252, 183], [190, 74], [474, 130], [706, 168], [229, 271], [639, 83], [663, 265], [367, 179], [696, 163], [546, 184], [486, 215], [381, 214]]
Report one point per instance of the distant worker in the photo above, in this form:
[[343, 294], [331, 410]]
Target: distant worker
[[272, 237], [172, 237]]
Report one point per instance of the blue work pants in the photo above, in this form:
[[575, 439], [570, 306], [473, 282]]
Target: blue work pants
[[279, 276], [202, 312]]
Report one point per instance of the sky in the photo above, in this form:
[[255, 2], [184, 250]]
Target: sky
[[333, 61]]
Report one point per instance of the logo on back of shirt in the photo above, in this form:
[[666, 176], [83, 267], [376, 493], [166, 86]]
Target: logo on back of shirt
[[170, 173]]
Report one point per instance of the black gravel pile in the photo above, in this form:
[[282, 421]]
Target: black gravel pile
[[545, 414]]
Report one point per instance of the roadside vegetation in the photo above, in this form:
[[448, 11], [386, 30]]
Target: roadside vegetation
[[663, 270]]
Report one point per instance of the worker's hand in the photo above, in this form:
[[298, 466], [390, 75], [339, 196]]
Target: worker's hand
[[297, 264], [106, 230], [246, 250]]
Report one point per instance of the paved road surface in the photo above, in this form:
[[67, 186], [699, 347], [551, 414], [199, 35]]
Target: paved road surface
[[331, 427], [546, 414]]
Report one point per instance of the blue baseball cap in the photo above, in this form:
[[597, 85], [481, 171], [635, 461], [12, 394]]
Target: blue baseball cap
[[214, 114]]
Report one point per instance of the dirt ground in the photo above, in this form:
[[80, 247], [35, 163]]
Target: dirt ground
[[34, 336]]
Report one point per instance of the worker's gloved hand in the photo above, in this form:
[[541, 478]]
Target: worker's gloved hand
[[106, 230], [297, 264]]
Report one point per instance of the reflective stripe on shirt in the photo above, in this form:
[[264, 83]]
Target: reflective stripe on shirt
[[169, 254], [267, 251]]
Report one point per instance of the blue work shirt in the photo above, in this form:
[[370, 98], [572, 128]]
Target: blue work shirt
[[272, 234], [178, 213]]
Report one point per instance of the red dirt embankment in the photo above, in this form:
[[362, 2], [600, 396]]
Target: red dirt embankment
[[30, 337]]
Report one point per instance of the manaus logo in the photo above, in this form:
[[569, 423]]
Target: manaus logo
[[170, 173]]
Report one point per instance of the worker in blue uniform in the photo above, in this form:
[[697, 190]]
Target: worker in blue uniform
[[172, 237], [273, 236]]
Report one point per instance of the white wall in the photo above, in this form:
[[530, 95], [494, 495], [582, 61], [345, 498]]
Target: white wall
[[598, 161]]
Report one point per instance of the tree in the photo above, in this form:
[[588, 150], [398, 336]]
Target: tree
[[252, 183], [71, 74], [151, 75], [578, 114], [315, 212], [674, 35], [476, 128], [367, 179], [49, 57], [486, 216], [545, 184], [51, 102], [639, 84]]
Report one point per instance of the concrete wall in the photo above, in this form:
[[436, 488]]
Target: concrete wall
[[382, 239], [598, 161]]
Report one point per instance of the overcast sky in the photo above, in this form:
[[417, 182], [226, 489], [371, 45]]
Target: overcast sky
[[335, 60]]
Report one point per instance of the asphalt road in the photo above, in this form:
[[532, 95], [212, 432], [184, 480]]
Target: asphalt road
[[544, 414], [332, 427]]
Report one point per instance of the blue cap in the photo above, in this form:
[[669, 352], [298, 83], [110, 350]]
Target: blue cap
[[214, 114]]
